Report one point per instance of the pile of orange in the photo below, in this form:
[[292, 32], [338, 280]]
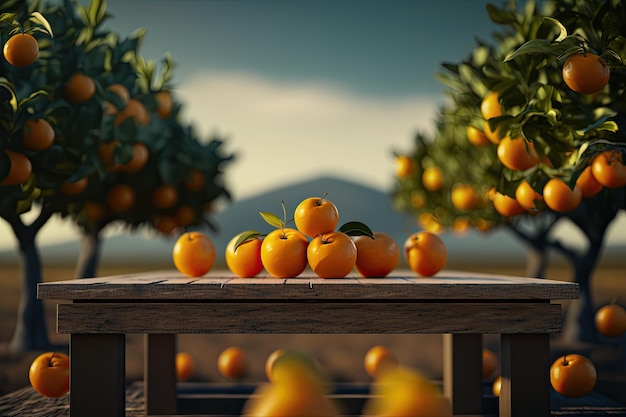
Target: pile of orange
[[330, 252]]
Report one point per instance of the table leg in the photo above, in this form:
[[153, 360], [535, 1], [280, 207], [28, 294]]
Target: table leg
[[160, 373], [525, 363], [462, 372], [97, 375]]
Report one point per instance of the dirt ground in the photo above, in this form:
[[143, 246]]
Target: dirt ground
[[342, 355]]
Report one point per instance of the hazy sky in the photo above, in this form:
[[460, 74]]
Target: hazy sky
[[302, 88]]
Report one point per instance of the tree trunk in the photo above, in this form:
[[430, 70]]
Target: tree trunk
[[579, 321], [89, 254], [536, 261], [30, 329]]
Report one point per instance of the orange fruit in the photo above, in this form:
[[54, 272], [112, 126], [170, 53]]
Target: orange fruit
[[492, 135], [587, 183], [120, 198], [184, 366], [165, 224], [49, 374], [186, 215], [193, 254], [464, 197], [586, 73], [526, 196], [608, 169], [490, 106], [233, 363], [164, 104], [20, 169], [135, 109], [37, 134], [461, 224], [507, 206], [75, 187], [106, 154], [284, 252], [271, 359], [122, 92], [429, 222], [138, 160], [432, 179], [517, 154], [490, 363], [21, 50], [425, 253], [165, 196], [496, 387], [315, 215], [194, 181], [94, 211], [79, 88], [404, 392], [331, 255], [560, 197], [610, 320], [573, 375], [476, 136], [377, 358], [245, 261], [376, 257], [404, 166], [418, 199]]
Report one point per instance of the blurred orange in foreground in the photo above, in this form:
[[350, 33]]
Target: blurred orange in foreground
[[404, 392]]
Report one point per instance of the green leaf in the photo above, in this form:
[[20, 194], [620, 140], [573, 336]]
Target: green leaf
[[96, 12], [38, 18], [272, 219], [601, 124], [246, 236], [533, 46], [356, 229], [562, 30]]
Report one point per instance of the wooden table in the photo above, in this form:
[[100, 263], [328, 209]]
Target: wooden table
[[462, 306]]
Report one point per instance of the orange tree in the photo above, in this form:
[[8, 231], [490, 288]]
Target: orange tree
[[79, 121], [532, 136]]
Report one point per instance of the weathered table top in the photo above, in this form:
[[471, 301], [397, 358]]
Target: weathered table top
[[221, 286]]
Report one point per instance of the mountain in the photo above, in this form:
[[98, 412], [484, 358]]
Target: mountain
[[355, 202]]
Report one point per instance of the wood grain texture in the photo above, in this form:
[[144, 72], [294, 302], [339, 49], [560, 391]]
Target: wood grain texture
[[318, 318], [170, 285]]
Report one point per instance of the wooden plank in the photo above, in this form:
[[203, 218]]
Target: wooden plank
[[462, 372], [286, 317], [97, 375], [160, 373], [525, 370], [453, 286]]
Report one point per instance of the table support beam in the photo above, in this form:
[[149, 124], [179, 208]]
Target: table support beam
[[97, 375], [160, 374], [525, 364], [462, 372]]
